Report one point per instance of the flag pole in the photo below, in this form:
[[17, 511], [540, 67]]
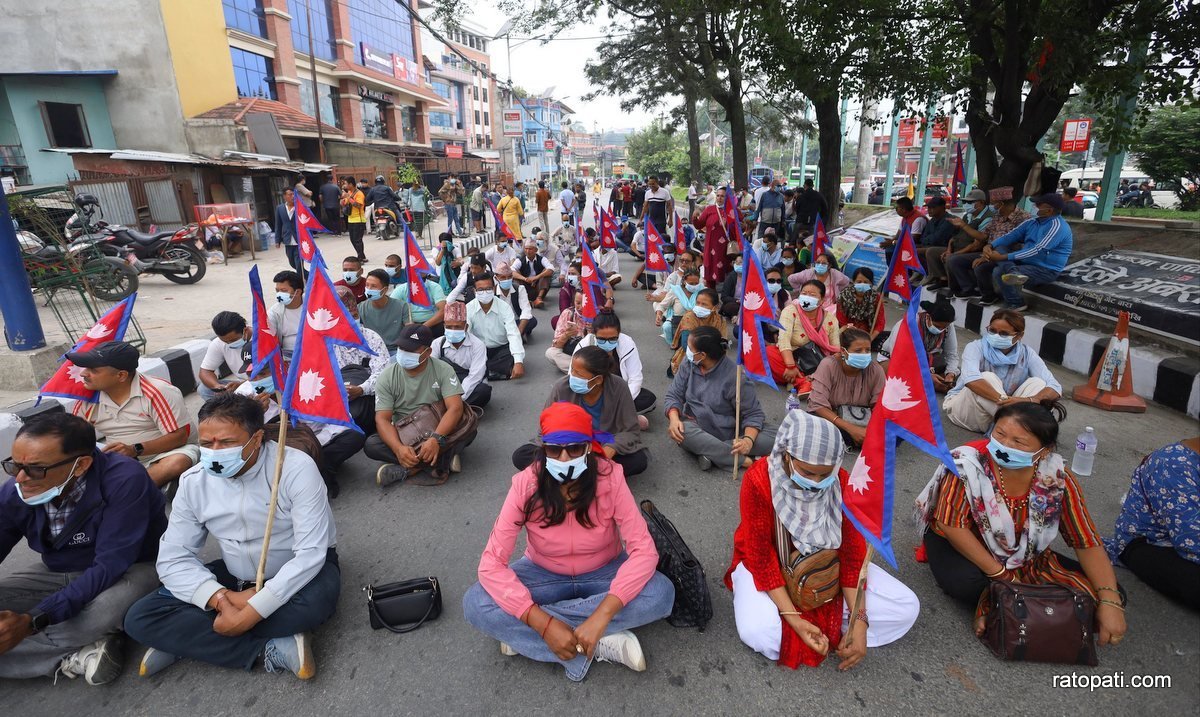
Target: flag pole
[[737, 420], [859, 594], [262, 558], [878, 308]]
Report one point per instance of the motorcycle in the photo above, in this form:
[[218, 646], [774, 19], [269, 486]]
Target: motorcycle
[[173, 254], [386, 226], [52, 266]]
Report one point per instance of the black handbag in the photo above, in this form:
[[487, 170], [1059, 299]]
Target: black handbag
[[408, 603], [808, 357], [693, 602], [1040, 623]]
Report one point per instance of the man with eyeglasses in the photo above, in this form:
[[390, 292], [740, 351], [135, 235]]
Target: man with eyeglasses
[[95, 518]]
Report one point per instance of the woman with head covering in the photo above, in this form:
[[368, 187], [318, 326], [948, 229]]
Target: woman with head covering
[[935, 321], [795, 494], [576, 594]]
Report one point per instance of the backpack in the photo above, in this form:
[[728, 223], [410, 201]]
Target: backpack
[[693, 602]]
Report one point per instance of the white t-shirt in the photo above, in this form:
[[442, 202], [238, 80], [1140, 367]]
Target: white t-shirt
[[567, 199], [918, 225], [219, 352]]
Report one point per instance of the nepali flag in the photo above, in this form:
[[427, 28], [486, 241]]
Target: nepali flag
[[264, 344], [756, 310], [416, 266], [654, 248], [592, 281], [608, 230], [500, 225], [907, 410], [960, 176], [67, 381], [306, 224], [903, 259], [681, 244], [820, 238], [314, 390]]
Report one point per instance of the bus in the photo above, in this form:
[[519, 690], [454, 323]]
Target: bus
[[796, 175], [760, 175]]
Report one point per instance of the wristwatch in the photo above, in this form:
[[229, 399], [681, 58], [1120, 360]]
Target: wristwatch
[[441, 440], [38, 621], [138, 448]]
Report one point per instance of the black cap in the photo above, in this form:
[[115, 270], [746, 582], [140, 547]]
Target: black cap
[[415, 337], [938, 310], [936, 202], [117, 354]]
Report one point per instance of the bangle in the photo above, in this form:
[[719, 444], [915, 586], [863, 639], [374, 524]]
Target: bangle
[[862, 616], [996, 574], [547, 627], [1111, 590], [1117, 605], [789, 612]]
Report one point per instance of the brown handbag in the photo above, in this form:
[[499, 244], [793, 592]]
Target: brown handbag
[[418, 426], [1040, 623], [812, 580]]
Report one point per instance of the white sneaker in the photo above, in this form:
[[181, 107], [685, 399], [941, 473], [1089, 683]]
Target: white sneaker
[[506, 650], [456, 465], [622, 648], [98, 663]]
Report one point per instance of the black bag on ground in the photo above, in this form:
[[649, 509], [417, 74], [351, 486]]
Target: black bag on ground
[[404, 606], [693, 602]]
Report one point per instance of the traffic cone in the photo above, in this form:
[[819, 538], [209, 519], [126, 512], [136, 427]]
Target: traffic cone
[[1111, 385]]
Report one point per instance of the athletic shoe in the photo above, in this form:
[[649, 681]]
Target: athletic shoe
[[98, 663], [1014, 279], [621, 648], [291, 654], [989, 300], [155, 661], [456, 465], [705, 463], [1022, 308], [390, 473], [507, 651], [966, 294]]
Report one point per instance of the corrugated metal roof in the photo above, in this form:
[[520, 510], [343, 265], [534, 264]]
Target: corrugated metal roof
[[245, 160]]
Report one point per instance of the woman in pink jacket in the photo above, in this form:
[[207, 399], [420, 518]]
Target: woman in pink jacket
[[576, 593]]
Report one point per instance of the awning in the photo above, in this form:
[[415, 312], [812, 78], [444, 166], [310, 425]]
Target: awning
[[243, 160]]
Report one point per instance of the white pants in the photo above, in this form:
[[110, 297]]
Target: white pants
[[891, 611], [974, 412]]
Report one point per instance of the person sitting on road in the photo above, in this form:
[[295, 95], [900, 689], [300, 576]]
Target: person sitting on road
[[700, 407], [139, 416], [570, 328], [382, 313], [680, 298], [730, 287], [861, 305], [466, 354], [806, 320], [413, 383], [997, 370], [464, 290], [1157, 534], [592, 384], [449, 259], [996, 520], [517, 297], [393, 266], [935, 321], [606, 259], [503, 251], [95, 518], [825, 270], [284, 315], [431, 317], [626, 359], [795, 494], [588, 574], [570, 287], [494, 323], [534, 272], [847, 385], [352, 277], [703, 313], [231, 348], [211, 612]]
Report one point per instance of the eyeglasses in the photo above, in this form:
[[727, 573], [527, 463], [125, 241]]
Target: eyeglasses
[[573, 450], [12, 468]]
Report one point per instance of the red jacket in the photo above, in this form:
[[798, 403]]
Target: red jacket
[[754, 547]]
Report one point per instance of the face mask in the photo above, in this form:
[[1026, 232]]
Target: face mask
[[935, 330], [821, 269], [737, 268], [1009, 457], [692, 288], [810, 484], [51, 494], [350, 276], [808, 303], [607, 344], [541, 244], [390, 270], [500, 246], [456, 336], [573, 280], [788, 262], [774, 287], [283, 297], [690, 355], [236, 344], [506, 284], [701, 312], [373, 294], [579, 385], [998, 341], [566, 470], [859, 361], [224, 462], [485, 297], [408, 359], [862, 287], [266, 385]]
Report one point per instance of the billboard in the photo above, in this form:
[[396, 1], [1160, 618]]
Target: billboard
[[512, 123], [376, 60], [1077, 133]]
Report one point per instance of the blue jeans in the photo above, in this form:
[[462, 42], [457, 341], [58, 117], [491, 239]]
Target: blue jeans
[[166, 623], [452, 224], [570, 599], [1038, 275]]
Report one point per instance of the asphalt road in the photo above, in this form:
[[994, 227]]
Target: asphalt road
[[449, 668]]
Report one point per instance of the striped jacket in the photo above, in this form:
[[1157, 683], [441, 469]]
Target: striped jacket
[[1047, 242]]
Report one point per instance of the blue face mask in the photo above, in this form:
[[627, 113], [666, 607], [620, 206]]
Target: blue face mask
[[810, 484], [859, 361], [391, 270], [821, 269], [236, 344], [1009, 457], [48, 495], [691, 355], [266, 385], [693, 288], [934, 330], [607, 344], [788, 261], [862, 287], [808, 303], [456, 336], [408, 359], [350, 276], [579, 385], [223, 462], [373, 294], [774, 287], [506, 284], [283, 297], [573, 280], [701, 312], [997, 341], [737, 268], [566, 470]]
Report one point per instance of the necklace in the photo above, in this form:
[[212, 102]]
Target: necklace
[[1012, 503]]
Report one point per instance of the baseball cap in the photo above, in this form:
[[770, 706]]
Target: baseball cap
[[120, 355], [976, 195], [415, 337]]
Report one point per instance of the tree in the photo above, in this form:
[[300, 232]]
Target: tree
[[1168, 149]]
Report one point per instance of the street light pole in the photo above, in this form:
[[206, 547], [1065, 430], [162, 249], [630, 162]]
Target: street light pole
[[312, 66]]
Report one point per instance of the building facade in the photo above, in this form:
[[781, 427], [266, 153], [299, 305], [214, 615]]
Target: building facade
[[539, 151], [460, 73]]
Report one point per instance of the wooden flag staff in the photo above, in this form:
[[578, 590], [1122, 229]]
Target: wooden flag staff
[[737, 420], [262, 558], [859, 595]]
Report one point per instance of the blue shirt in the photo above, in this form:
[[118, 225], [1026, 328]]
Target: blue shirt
[[594, 410], [1163, 504], [1048, 242]]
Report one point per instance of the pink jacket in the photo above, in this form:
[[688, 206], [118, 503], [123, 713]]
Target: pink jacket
[[568, 548]]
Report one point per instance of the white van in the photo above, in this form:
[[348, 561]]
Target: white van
[[1083, 178]]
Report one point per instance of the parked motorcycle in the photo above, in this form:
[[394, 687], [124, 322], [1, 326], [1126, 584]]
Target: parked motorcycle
[[173, 254], [52, 266], [386, 226]]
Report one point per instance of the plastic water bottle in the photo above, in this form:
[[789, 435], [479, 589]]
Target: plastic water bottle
[[793, 400], [1085, 453]]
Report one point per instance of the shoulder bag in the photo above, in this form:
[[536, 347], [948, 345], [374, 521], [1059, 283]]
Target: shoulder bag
[[812, 580], [1040, 623], [808, 357], [419, 425], [408, 603], [693, 602]]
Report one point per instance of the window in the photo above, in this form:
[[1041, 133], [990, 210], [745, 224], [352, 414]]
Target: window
[[444, 121], [323, 46], [475, 91], [408, 123], [476, 116], [442, 88], [531, 137], [486, 119], [438, 145], [330, 113], [253, 74], [245, 15], [383, 25], [65, 124], [488, 141], [485, 99], [478, 140], [374, 120]]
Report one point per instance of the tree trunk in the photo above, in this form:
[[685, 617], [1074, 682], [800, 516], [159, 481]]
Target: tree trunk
[[866, 152], [829, 160], [693, 132]]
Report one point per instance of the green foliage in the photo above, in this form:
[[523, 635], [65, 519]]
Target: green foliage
[[1168, 148], [655, 150], [407, 174]]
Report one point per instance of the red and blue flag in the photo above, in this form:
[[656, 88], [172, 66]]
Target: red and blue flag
[[264, 344], [960, 176], [500, 225], [820, 238], [306, 224], [681, 244], [592, 280], [416, 267], [654, 248], [67, 381], [903, 258], [756, 310]]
